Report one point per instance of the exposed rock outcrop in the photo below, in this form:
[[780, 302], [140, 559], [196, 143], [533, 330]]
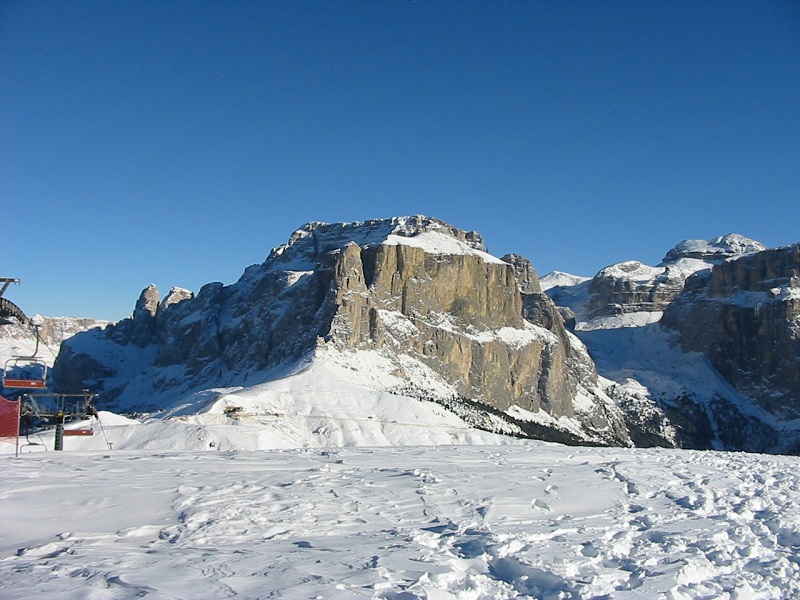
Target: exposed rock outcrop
[[720, 368], [417, 307], [631, 286], [527, 277], [745, 317]]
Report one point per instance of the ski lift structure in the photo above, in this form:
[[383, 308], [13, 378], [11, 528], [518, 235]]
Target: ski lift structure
[[54, 410], [22, 371], [26, 372], [41, 410]]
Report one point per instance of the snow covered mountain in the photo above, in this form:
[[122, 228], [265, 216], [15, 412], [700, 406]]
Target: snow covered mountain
[[410, 307], [396, 336], [347, 319], [745, 317], [720, 370], [630, 293]]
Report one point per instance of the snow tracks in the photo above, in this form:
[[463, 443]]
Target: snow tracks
[[529, 521]]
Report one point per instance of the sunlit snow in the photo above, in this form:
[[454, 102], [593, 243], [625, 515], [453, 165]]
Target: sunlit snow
[[435, 242], [531, 520]]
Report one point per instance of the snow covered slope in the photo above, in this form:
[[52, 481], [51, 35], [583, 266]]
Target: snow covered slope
[[673, 395], [335, 398], [531, 520], [313, 405], [20, 340], [560, 279]]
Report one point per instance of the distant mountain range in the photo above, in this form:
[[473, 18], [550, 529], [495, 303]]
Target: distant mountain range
[[18, 339], [701, 351], [710, 339]]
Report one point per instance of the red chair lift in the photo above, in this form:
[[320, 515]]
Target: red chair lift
[[26, 372]]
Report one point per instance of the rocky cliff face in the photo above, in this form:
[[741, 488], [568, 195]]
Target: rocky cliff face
[[745, 317], [720, 368], [419, 294], [631, 286]]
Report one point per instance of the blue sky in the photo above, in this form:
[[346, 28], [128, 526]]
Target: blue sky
[[178, 142]]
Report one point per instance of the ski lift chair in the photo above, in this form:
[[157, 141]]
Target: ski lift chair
[[24, 372]]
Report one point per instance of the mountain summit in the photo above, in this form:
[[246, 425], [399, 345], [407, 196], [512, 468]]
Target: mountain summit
[[349, 330], [409, 306]]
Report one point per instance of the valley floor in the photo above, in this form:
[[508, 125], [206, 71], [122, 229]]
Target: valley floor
[[531, 520]]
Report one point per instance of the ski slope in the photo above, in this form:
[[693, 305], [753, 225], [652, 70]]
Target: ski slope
[[526, 520]]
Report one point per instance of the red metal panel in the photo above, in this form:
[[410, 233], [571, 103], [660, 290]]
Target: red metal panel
[[78, 432], [23, 383]]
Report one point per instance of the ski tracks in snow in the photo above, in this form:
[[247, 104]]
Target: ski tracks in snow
[[529, 521]]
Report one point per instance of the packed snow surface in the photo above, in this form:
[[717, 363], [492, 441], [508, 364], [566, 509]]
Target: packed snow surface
[[531, 520]]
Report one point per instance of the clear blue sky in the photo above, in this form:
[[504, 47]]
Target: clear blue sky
[[178, 142]]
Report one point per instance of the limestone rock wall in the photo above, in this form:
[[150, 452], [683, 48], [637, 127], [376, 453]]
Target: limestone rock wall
[[453, 305], [745, 316], [623, 288], [631, 286]]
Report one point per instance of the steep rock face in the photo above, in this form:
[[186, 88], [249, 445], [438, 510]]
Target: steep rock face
[[745, 317], [527, 277], [412, 290], [719, 369], [461, 315], [631, 286]]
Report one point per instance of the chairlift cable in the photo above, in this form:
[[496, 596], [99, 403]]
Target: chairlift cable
[[46, 345]]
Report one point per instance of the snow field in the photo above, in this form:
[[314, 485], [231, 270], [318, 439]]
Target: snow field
[[436, 242], [470, 522]]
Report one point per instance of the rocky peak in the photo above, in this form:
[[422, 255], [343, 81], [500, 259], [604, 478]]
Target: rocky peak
[[714, 250], [417, 224], [176, 295], [527, 277], [633, 287], [312, 241], [147, 304], [745, 317], [412, 292], [556, 279]]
